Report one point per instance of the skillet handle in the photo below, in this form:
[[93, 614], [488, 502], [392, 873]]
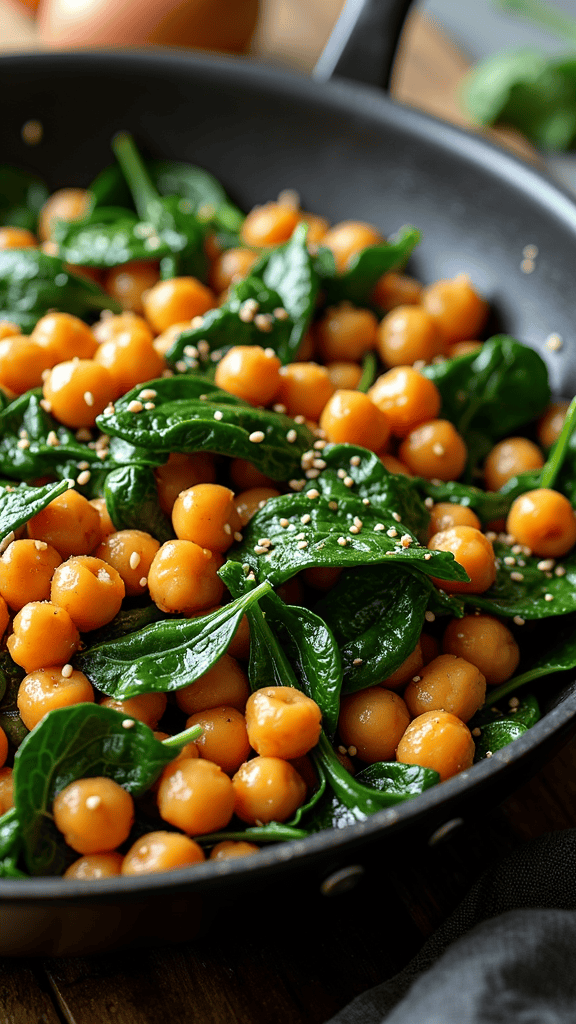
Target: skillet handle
[[363, 43]]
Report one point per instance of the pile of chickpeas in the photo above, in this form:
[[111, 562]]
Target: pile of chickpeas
[[69, 570]]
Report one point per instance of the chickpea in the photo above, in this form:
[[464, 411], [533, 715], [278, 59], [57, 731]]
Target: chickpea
[[196, 796], [430, 647], [463, 348], [63, 337], [543, 520], [437, 740], [224, 740], [26, 569], [95, 865], [206, 514], [130, 359], [550, 423], [267, 789], [94, 815], [485, 642], [77, 392], [270, 224], [45, 689], [344, 375], [183, 577], [373, 721], [409, 668], [474, 552], [407, 398], [128, 282], [394, 289], [350, 417], [147, 708], [393, 465], [89, 589], [231, 266], [163, 342], [6, 790], [346, 332], [282, 722], [22, 364], [508, 458], [130, 554], [8, 329], [228, 848], [161, 851], [449, 684], [434, 450], [457, 308], [110, 327], [17, 238], [249, 372], [304, 389], [248, 503], [225, 684], [244, 475], [69, 524], [181, 472], [43, 634], [106, 525], [179, 298], [65, 204], [307, 348], [347, 239], [446, 514], [3, 747], [317, 228], [408, 334]]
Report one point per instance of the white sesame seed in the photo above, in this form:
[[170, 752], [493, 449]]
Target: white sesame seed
[[143, 581], [181, 366], [476, 731], [559, 570], [265, 542], [379, 527], [429, 616], [333, 506], [429, 502], [518, 620], [530, 252], [302, 544], [491, 536], [218, 415], [306, 518], [416, 679], [396, 516], [438, 449], [279, 408], [52, 439], [312, 493], [517, 576], [312, 474], [128, 723], [348, 481], [427, 556], [92, 802], [514, 702], [342, 750], [135, 406], [203, 347], [257, 436], [83, 477], [291, 436], [358, 661], [509, 560], [352, 750], [259, 549], [353, 529], [238, 536], [135, 560], [299, 419], [88, 398], [23, 443], [66, 671], [545, 564], [365, 501], [554, 342], [319, 464], [341, 474], [355, 460], [526, 266], [392, 532], [284, 523], [488, 753], [46, 405], [320, 445], [548, 597], [300, 536], [149, 392], [40, 545], [342, 541], [280, 313], [297, 485], [149, 406], [406, 540]]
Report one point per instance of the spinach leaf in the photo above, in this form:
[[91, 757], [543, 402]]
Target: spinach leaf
[[128, 620], [19, 504], [498, 730], [22, 196], [132, 502], [521, 588], [376, 614], [32, 282], [164, 656], [289, 270], [11, 675], [558, 655], [10, 845], [191, 414], [85, 740], [357, 282], [200, 189], [488, 505], [50, 447], [107, 237]]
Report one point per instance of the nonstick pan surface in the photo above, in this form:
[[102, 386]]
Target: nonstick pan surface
[[351, 153]]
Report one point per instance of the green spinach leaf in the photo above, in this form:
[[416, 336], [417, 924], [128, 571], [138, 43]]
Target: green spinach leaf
[[357, 282], [19, 504], [132, 502], [523, 589], [289, 270], [22, 196]]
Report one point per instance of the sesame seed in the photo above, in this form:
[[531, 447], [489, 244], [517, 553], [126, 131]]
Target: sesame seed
[[143, 581], [358, 522], [299, 419], [238, 536], [227, 529], [429, 502], [348, 481], [319, 464], [128, 723], [545, 564], [306, 518], [342, 541], [406, 540], [392, 532], [181, 366], [429, 616], [40, 545], [203, 348], [358, 661], [83, 477], [342, 750], [509, 560], [300, 536], [280, 313], [559, 570], [333, 506], [110, 409], [188, 350], [526, 266], [476, 731], [530, 252], [353, 529], [92, 802], [438, 449], [365, 501], [257, 436], [491, 536], [488, 753], [218, 415], [302, 544], [396, 516], [135, 560], [518, 620], [52, 439], [259, 549], [548, 597], [297, 485], [312, 493], [149, 392], [46, 405], [291, 436], [66, 671], [554, 342], [264, 322], [514, 702], [416, 679], [355, 460], [23, 443], [279, 408], [135, 406], [88, 398], [284, 523], [352, 751], [265, 542], [320, 445], [341, 474], [517, 576], [312, 474], [379, 527], [149, 406]]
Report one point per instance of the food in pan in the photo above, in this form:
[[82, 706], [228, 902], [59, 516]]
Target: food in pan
[[275, 517]]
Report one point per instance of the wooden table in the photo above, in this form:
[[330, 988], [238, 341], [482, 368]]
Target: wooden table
[[299, 969]]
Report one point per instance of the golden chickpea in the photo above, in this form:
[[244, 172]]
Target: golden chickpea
[[128, 283], [89, 589], [94, 815], [45, 689], [130, 554], [181, 472], [65, 204], [373, 721], [43, 634], [17, 238], [550, 423], [245, 475], [249, 372], [304, 389], [69, 524], [344, 375], [437, 740], [394, 465], [410, 667], [163, 342], [64, 337], [394, 289], [224, 740], [544, 521], [26, 569], [130, 359], [8, 329], [229, 848], [348, 238], [463, 348], [183, 577], [346, 332], [248, 503], [225, 684], [231, 266], [179, 298], [448, 683], [22, 364], [446, 514], [407, 397], [267, 789], [457, 308], [350, 417], [474, 552], [206, 514], [147, 708], [434, 450], [110, 327], [3, 747], [77, 392], [317, 228], [161, 851], [509, 457], [282, 722], [270, 224], [196, 796], [406, 335], [6, 790], [95, 865], [106, 525], [485, 642]]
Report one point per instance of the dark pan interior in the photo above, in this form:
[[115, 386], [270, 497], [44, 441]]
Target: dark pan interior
[[351, 153]]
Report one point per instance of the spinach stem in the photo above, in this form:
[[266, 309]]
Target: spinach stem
[[544, 14], [368, 377], [555, 459], [182, 738], [139, 182]]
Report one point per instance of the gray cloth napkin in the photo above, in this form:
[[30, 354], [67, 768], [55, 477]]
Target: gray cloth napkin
[[506, 956]]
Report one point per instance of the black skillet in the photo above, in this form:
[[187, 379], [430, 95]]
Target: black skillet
[[351, 153]]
